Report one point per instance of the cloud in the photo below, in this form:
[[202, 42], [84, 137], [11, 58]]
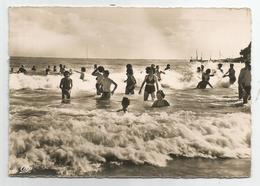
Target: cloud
[[127, 32]]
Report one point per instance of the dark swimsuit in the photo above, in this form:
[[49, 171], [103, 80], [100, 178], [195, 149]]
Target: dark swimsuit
[[130, 85], [149, 88]]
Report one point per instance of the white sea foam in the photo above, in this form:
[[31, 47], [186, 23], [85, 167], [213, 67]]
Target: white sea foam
[[81, 141], [171, 79]]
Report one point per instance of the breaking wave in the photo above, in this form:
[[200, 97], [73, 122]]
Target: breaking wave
[[174, 79], [81, 144]]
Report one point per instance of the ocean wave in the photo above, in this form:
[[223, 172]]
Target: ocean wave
[[174, 79], [80, 142]]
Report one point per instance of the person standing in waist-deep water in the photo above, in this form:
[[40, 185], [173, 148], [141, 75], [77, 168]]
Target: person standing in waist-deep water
[[205, 80], [231, 74], [66, 86], [150, 79], [82, 73], [61, 69], [54, 68], [47, 71], [99, 73], [130, 82], [160, 102], [158, 72], [106, 86], [220, 67], [33, 68], [244, 82]]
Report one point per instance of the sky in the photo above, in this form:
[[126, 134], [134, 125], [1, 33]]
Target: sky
[[130, 33]]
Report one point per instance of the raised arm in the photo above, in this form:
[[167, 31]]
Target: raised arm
[[95, 72]]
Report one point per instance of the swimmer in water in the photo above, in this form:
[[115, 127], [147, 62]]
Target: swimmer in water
[[47, 71], [231, 74], [130, 83], [82, 73], [150, 79], [99, 73], [168, 67], [205, 80], [106, 83], [160, 102], [54, 68], [220, 67], [66, 86], [202, 68], [125, 103], [33, 68], [244, 83], [22, 70], [158, 72]]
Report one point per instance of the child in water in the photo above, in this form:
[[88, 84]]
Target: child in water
[[160, 102], [66, 86], [82, 73], [150, 79], [158, 72], [205, 80], [125, 103], [106, 85]]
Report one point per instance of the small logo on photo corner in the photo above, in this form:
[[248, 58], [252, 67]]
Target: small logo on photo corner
[[25, 169]]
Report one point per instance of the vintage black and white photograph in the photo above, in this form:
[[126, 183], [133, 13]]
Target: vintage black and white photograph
[[129, 92]]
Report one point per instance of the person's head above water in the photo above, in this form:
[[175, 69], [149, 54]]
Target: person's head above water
[[83, 69], [220, 65], [101, 69], [152, 65], [125, 102], [66, 73], [149, 70], [160, 95], [106, 73], [208, 71], [198, 69], [231, 65], [202, 67], [157, 67], [128, 66]]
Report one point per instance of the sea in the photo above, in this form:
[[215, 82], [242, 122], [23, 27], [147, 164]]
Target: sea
[[203, 133]]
